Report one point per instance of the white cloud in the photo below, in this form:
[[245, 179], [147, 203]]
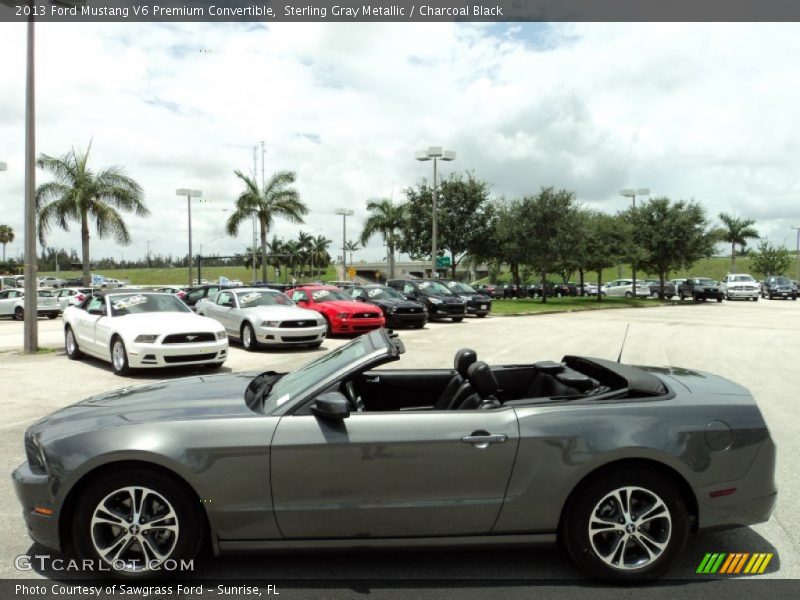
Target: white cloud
[[704, 111]]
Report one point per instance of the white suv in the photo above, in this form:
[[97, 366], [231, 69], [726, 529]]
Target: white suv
[[740, 285], [624, 287]]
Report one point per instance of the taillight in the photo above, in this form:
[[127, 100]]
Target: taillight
[[80, 297]]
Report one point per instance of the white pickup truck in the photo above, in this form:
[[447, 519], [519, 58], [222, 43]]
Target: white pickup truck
[[740, 285]]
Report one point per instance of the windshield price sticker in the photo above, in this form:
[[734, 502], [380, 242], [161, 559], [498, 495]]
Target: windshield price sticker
[[320, 294], [247, 298], [128, 302], [375, 293]]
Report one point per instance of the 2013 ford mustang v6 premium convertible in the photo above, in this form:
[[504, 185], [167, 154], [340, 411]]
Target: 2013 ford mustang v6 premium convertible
[[620, 464]]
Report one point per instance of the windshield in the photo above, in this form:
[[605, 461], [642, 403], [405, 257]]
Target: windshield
[[295, 383], [329, 295], [383, 293], [457, 286], [129, 304], [263, 298], [706, 282], [433, 288], [783, 281], [742, 278]]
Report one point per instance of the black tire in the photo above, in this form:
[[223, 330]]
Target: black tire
[[248, 337], [73, 351], [458, 319], [727, 297], [629, 295], [756, 299], [719, 298], [482, 315], [670, 528], [214, 366], [315, 345], [19, 314], [189, 518], [120, 365], [696, 297], [52, 316], [419, 325], [681, 296]]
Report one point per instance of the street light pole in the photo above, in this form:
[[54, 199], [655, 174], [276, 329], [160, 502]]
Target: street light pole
[[631, 193], [797, 257], [31, 333], [189, 195], [345, 213], [435, 153]]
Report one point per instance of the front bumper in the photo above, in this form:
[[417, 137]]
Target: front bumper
[[732, 293], [479, 308], [290, 336], [782, 294], [445, 311], [142, 356], [33, 490], [356, 325], [403, 319]]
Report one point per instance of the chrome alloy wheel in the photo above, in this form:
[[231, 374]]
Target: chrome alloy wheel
[[630, 528], [70, 342], [118, 355], [247, 340], [134, 529]]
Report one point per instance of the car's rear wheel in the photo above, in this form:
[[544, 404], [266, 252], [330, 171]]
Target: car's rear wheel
[[52, 315], [755, 299], [119, 357], [719, 298], [458, 319], [71, 345], [626, 525], [628, 295], [249, 341], [132, 521]]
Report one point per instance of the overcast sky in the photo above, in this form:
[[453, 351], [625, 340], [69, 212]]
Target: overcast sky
[[702, 111]]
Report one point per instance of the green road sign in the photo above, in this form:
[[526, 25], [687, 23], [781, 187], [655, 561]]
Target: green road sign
[[442, 261]]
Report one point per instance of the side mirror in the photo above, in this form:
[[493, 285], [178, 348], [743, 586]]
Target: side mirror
[[331, 405], [360, 299], [411, 296]]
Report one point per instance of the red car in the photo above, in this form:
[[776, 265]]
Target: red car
[[343, 314]]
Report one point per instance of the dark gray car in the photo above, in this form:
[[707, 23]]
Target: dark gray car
[[619, 463]]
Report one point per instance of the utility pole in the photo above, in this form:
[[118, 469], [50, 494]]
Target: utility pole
[[31, 331]]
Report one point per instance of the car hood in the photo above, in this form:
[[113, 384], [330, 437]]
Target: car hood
[[394, 302], [200, 397], [281, 313], [448, 299], [349, 306], [165, 322], [474, 297]]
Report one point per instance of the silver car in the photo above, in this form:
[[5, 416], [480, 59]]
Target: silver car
[[622, 464], [262, 316]]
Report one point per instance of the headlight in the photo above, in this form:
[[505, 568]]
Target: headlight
[[390, 309], [435, 300], [270, 323], [342, 315], [222, 335], [145, 339]]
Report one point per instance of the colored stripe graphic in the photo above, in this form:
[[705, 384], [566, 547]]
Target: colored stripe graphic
[[734, 563]]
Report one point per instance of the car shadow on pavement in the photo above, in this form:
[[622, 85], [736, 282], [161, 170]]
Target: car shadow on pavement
[[446, 567], [158, 373]]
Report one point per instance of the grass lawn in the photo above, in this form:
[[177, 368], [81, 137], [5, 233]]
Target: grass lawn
[[534, 305]]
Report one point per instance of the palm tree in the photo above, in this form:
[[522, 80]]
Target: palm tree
[[80, 194], [292, 251], [736, 231], [277, 199], [275, 249], [386, 219], [6, 237], [305, 242], [351, 246], [319, 251]]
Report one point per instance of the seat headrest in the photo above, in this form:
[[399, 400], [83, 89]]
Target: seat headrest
[[482, 379], [464, 358]]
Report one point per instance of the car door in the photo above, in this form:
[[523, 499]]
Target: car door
[[7, 301], [221, 310], [84, 319], [392, 474]]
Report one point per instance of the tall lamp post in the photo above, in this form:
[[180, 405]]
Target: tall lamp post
[[797, 257], [189, 195], [435, 153], [345, 213], [631, 193]]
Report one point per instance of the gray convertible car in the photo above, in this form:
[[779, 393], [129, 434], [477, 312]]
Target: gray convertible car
[[619, 464]]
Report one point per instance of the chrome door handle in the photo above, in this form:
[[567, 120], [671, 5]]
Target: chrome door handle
[[492, 438]]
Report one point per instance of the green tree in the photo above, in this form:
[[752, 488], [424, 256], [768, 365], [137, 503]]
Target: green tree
[[508, 234], [770, 260], [351, 246], [606, 242], [305, 242], [319, 253], [79, 194], [547, 219], [464, 216], [276, 199], [6, 237], [735, 231], [385, 219], [673, 235]]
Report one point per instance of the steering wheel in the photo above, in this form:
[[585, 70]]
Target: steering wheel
[[355, 400]]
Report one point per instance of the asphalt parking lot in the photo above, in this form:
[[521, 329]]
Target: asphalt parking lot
[[756, 344]]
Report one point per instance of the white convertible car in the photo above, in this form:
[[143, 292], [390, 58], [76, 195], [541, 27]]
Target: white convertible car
[[136, 329], [263, 316]]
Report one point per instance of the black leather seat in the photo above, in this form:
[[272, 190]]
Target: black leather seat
[[456, 390], [484, 385]]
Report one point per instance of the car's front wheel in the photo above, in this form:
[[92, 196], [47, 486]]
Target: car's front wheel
[[119, 357], [19, 313], [132, 521], [71, 345], [458, 319], [249, 341], [628, 295], [626, 525]]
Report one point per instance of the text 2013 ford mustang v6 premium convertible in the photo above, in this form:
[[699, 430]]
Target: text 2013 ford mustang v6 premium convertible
[[618, 463]]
